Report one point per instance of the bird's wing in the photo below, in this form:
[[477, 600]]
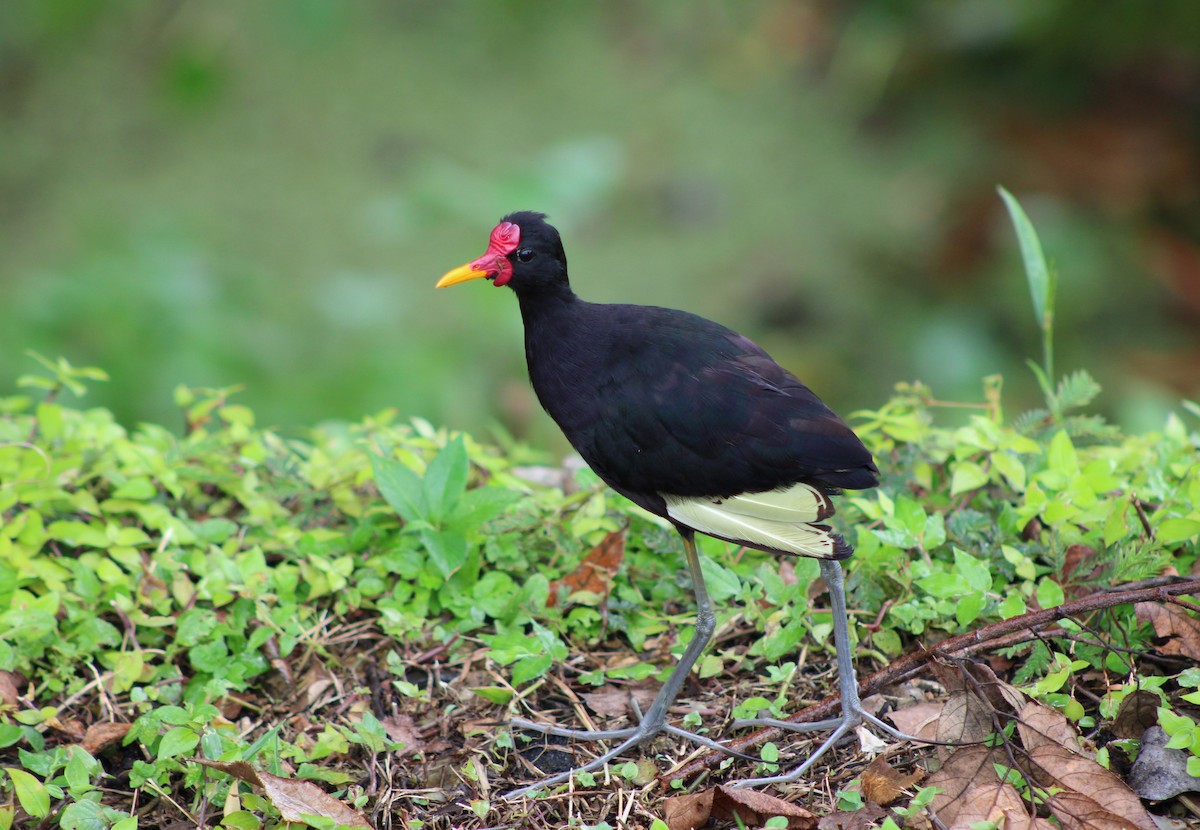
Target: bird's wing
[[699, 410]]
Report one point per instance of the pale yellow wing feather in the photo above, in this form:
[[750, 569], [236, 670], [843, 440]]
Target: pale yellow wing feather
[[734, 519]]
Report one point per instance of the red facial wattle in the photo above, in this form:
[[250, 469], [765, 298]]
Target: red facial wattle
[[494, 264], [504, 240]]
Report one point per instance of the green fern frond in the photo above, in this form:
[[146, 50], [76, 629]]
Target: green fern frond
[[1075, 391], [1089, 429], [1033, 421]]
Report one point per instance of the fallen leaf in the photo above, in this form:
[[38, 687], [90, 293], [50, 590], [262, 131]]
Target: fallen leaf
[[595, 573], [753, 808], [9, 694], [868, 742], [1160, 773], [100, 736], [882, 784], [614, 701], [294, 799], [402, 729], [965, 768], [1039, 724], [71, 727], [315, 682], [688, 812], [1077, 556], [749, 807], [995, 802], [1077, 811], [966, 718], [920, 720], [1092, 796], [867, 817], [1181, 630], [1137, 713]]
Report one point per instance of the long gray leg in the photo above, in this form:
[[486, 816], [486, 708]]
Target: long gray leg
[[654, 720], [852, 711]]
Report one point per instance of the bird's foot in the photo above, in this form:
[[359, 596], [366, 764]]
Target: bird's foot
[[630, 738], [853, 716]]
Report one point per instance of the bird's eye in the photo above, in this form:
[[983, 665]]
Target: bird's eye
[[525, 254]]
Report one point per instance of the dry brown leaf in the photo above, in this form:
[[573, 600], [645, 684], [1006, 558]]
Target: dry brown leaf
[[1039, 724], [966, 718], [315, 682], [750, 807], [9, 694], [881, 784], [1092, 796], [920, 721], [867, 817], [71, 727], [1078, 812], [609, 702], [688, 812], [595, 573], [100, 736], [1180, 628], [753, 808], [995, 802], [614, 701], [291, 797], [964, 769], [1078, 568], [1137, 713], [972, 793], [403, 729]]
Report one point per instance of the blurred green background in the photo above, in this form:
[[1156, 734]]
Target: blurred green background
[[219, 193]]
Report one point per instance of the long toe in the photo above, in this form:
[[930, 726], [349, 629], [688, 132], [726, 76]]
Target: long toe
[[630, 738], [852, 717]]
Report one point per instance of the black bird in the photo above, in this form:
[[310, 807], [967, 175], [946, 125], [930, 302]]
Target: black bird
[[694, 423]]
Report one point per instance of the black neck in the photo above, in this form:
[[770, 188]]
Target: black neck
[[546, 301]]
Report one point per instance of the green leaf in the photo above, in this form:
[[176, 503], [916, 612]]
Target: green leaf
[[711, 665], [1061, 457], [499, 695], [529, 668], [911, 515], [1039, 276], [721, 581], [31, 792], [1049, 593], [448, 549], [934, 535], [1174, 531], [1011, 468], [401, 488], [968, 608], [967, 476], [481, 505], [944, 585], [446, 479], [87, 815], [750, 708], [79, 771], [1012, 606], [975, 571], [179, 741]]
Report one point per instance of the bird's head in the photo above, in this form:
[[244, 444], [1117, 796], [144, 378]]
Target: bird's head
[[524, 252]]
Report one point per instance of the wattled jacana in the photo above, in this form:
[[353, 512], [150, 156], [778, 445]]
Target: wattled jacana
[[694, 423]]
